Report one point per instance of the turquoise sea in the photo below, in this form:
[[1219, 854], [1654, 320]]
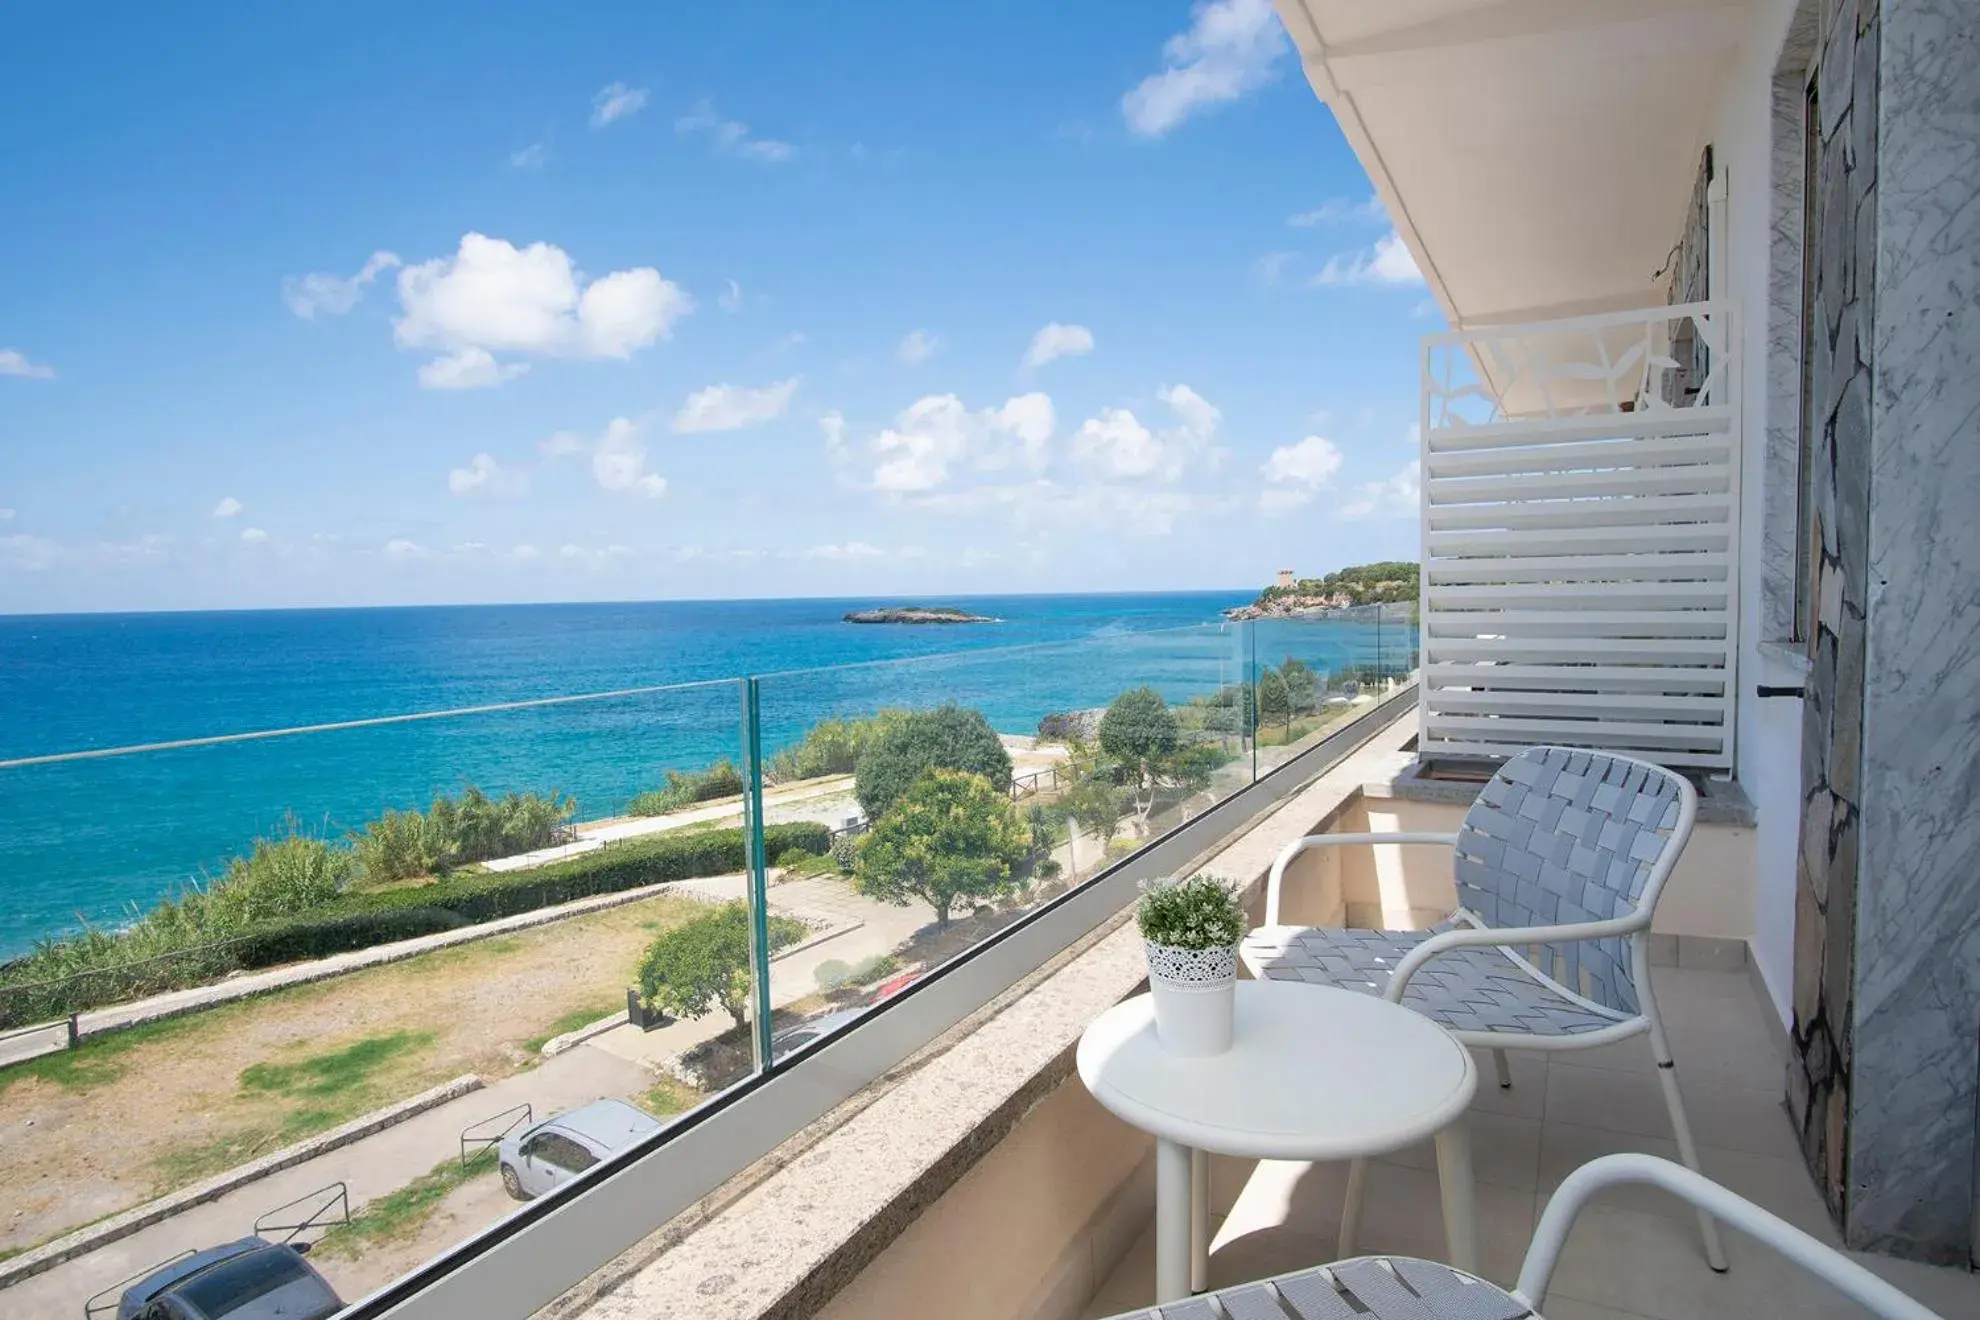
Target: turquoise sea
[[89, 839]]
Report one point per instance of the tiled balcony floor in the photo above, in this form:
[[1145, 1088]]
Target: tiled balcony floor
[[1634, 1252]]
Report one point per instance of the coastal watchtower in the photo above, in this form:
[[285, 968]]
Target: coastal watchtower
[[1285, 577]]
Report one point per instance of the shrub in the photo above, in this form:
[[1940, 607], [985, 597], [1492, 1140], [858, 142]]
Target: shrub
[[845, 851], [97, 968], [952, 835], [795, 859], [833, 973], [401, 845], [1049, 869], [685, 788], [1064, 726], [1138, 728], [1198, 913], [830, 747], [950, 737], [877, 968], [704, 963]]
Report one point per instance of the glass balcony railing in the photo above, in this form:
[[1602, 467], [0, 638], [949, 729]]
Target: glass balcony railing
[[499, 917]]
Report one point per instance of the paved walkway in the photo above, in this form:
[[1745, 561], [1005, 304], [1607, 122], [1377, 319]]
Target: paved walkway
[[28, 1045], [372, 1167], [873, 928], [828, 801]]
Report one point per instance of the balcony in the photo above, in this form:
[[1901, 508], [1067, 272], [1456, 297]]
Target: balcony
[[984, 1181]]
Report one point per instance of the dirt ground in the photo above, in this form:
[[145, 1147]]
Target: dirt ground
[[139, 1113]]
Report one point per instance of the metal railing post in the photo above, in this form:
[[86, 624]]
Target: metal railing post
[[759, 913]]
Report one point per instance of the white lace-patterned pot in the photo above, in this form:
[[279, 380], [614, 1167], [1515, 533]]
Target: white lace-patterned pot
[[1195, 993]]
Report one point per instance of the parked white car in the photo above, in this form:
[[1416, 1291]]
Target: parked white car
[[549, 1154]]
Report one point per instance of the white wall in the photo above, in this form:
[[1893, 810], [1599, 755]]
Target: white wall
[[1769, 732]]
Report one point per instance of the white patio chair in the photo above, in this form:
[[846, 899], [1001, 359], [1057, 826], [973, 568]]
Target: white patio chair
[[1403, 1288], [1559, 863]]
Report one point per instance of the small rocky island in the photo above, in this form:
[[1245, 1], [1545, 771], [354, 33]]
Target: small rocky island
[[917, 614]]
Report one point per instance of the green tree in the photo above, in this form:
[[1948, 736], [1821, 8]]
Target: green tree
[[704, 962], [1302, 685], [950, 737], [1139, 734], [1274, 705], [953, 834], [1094, 803]]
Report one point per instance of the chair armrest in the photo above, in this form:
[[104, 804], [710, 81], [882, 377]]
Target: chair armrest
[[1298, 846], [1506, 937], [1831, 1266]]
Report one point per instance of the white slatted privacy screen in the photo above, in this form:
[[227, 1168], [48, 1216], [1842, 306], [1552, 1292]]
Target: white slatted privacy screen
[[1580, 536]]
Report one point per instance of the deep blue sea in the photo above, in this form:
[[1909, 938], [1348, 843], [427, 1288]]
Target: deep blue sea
[[96, 839]]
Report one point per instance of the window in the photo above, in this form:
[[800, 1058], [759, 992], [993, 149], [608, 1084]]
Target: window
[[561, 1152]]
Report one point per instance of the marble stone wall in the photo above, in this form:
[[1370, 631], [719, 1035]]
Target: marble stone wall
[[1916, 1030], [1690, 281], [1837, 353]]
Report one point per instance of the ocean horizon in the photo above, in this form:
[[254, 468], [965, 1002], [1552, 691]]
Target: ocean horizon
[[97, 840]]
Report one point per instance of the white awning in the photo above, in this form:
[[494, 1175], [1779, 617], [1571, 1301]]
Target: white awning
[[1536, 156]]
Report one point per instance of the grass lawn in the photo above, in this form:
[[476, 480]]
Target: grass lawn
[[229, 1084]]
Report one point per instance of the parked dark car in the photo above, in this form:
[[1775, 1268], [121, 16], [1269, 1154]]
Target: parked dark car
[[252, 1279]]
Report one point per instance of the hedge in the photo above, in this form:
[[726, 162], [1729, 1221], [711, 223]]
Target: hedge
[[361, 919]]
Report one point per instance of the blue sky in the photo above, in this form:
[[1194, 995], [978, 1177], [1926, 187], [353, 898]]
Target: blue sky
[[304, 307]]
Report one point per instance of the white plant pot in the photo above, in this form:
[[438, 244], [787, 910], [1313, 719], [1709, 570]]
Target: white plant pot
[[1195, 992]]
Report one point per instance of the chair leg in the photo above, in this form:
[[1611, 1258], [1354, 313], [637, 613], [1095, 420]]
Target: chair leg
[[1660, 1047], [1504, 1066], [1357, 1184]]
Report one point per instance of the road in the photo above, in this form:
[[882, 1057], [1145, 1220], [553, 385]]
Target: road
[[376, 1165]]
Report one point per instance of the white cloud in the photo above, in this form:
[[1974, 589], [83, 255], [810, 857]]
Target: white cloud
[[13, 362], [530, 157], [493, 296], [6, 515], [915, 453], [253, 535], [1312, 463], [468, 368], [1388, 262], [938, 432], [731, 297], [563, 444], [310, 296], [916, 347], [1338, 210], [614, 101], [1395, 498], [833, 427], [1197, 414], [484, 476], [1229, 49], [731, 136], [1031, 419], [618, 461], [1117, 444], [1272, 265], [1057, 341], [227, 507], [525, 553], [399, 548], [1276, 500], [732, 407], [29, 553], [850, 550]]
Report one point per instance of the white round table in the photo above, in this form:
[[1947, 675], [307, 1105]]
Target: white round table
[[1313, 1073]]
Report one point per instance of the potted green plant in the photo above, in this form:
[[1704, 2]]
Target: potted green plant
[[1191, 929]]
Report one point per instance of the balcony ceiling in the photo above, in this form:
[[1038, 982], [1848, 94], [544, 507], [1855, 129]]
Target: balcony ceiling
[[1536, 155]]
